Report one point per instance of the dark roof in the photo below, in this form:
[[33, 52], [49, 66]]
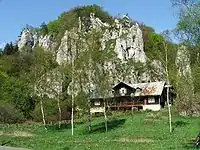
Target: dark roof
[[121, 84], [146, 89]]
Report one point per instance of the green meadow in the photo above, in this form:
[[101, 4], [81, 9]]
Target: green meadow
[[137, 131]]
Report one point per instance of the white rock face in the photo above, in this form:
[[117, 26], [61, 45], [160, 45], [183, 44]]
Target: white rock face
[[158, 71], [63, 54], [128, 40], [96, 22], [67, 48], [31, 39], [183, 62], [26, 39], [127, 43], [47, 42]]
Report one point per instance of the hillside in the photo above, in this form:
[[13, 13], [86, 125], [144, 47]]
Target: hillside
[[83, 53], [130, 51]]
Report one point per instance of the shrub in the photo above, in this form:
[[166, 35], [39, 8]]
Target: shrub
[[8, 114]]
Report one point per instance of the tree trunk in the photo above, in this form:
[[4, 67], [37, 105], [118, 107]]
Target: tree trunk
[[42, 111], [60, 113], [105, 117], [72, 115], [169, 111], [167, 75], [89, 116]]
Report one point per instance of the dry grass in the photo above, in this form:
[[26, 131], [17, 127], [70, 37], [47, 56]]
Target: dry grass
[[134, 139], [17, 134]]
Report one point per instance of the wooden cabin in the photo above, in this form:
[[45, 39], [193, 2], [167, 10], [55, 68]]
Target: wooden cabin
[[145, 96]]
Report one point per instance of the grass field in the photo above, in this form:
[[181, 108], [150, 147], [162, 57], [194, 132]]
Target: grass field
[[143, 130]]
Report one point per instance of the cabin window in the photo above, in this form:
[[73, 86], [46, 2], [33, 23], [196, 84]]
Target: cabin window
[[97, 103], [138, 92], [151, 100], [123, 91]]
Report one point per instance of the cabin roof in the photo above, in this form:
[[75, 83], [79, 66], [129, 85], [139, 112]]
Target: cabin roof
[[123, 84], [146, 89], [149, 89]]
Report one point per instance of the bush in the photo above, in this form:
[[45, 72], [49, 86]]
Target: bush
[[8, 114]]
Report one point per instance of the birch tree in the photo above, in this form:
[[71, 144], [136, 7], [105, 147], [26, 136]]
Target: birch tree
[[43, 63]]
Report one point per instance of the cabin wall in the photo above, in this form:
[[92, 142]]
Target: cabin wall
[[97, 102], [97, 109], [162, 100], [152, 100], [123, 90], [154, 107], [127, 91], [153, 103]]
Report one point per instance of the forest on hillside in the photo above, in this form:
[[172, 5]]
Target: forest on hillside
[[25, 91]]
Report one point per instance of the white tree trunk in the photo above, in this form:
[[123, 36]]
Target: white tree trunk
[[169, 111], [43, 115], [105, 117], [167, 75], [60, 113], [72, 115], [89, 115]]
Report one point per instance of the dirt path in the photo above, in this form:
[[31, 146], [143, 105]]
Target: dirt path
[[11, 148]]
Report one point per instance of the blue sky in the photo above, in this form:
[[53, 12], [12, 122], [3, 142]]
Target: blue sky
[[15, 14]]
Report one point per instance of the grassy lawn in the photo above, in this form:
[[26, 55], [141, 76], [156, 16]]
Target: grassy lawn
[[143, 130]]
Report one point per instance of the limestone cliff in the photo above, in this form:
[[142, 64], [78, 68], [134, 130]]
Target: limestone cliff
[[127, 43], [32, 38], [183, 62]]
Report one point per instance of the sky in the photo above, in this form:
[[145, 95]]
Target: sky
[[15, 14]]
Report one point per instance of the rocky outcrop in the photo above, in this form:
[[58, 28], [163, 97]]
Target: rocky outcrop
[[127, 38], [26, 39], [68, 47], [96, 22], [126, 41], [31, 39], [47, 42], [183, 62]]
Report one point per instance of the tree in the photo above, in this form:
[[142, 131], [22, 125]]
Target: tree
[[43, 63], [163, 53], [187, 31], [98, 71], [10, 49], [44, 29]]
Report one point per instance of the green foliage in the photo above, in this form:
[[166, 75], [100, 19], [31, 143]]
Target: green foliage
[[10, 115], [187, 31], [69, 20], [186, 101], [154, 47], [43, 29], [10, 49], [10, 64], [85, 11], [188, 26], [17, 93], [53, 27], [196, 78]]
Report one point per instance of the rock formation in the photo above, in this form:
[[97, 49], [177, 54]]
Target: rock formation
[[32, 38], [127, 43], [183, 62]]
